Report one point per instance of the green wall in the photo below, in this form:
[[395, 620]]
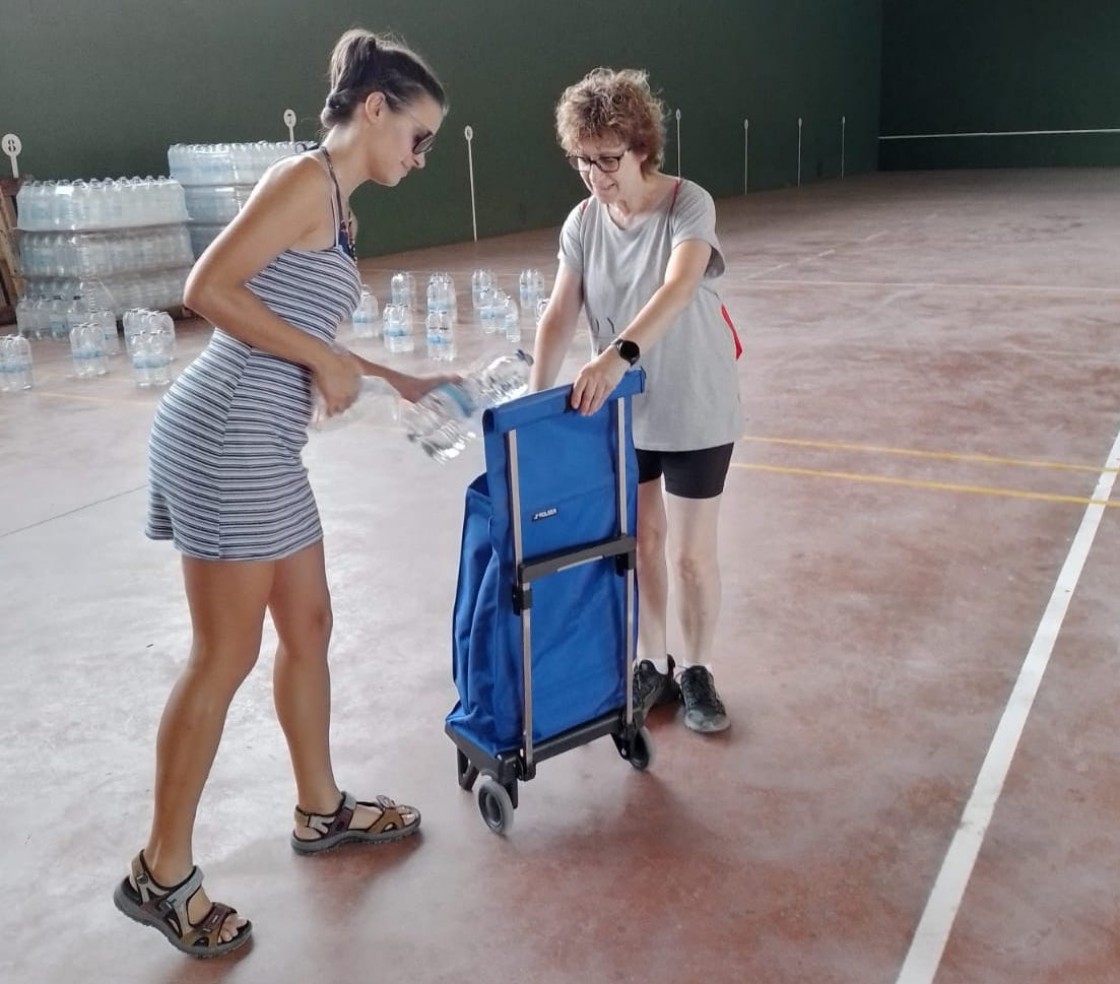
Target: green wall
[[952, 66], [101, 89]]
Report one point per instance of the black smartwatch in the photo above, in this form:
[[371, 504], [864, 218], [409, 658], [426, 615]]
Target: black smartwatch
[[628, 350]]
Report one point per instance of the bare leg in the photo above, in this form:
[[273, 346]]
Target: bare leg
[[227, 605], [653, 575], [693, 545], [300, 606]]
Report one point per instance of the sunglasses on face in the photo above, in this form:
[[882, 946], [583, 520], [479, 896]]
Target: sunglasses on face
[[607, 163], [423, 141]]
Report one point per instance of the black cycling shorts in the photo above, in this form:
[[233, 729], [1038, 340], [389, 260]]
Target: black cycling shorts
[[688, 474]]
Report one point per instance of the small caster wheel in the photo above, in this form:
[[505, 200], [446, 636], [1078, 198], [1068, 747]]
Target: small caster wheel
[[467, 772], [496, 806], [638, 751], [641, 750]]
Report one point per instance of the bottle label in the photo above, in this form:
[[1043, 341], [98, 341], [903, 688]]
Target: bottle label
[[454, 400]]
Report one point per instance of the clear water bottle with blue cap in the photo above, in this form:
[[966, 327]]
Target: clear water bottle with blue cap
[[445, 419]]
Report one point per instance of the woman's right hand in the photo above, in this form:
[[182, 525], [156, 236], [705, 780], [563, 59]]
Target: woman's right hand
[[413, 388], [338, 378]]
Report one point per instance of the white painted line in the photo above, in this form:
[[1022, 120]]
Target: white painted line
[[762, 273], [932, 934]]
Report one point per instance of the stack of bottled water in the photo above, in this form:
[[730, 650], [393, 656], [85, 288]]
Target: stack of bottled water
[[440, 336], [149, 338], [497, 311], [217, 180], [445, 419], [531, 288], [396, 328], [112, 203], [55, 318], [443, 310], [87, 348], [92, 255], [124, 240], [441, 295], [481, 280], [15, 364]]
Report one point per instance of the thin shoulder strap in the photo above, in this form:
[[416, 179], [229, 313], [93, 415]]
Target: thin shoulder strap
[[336, 198], [676, 191]]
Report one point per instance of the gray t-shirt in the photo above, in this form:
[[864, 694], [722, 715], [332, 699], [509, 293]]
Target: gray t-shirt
[[692, 387]]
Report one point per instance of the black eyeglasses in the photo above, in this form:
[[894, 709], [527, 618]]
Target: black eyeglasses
[[607, 163]]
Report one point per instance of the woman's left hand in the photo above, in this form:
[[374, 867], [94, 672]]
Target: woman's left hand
[[597, 380]]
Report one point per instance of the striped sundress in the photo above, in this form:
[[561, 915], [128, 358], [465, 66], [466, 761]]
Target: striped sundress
[[225, 477]]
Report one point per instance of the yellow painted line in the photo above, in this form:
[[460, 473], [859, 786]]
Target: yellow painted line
[[984, 459], [88, 399], [917, 484], [931, 285]]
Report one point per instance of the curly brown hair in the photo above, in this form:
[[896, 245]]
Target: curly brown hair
[[616, 103]]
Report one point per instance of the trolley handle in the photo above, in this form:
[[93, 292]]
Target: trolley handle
[[552, 403]]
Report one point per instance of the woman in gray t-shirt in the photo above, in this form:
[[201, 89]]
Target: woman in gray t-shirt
[[642, 258]]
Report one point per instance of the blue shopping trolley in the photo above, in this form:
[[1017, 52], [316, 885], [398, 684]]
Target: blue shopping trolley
[[545, 619]]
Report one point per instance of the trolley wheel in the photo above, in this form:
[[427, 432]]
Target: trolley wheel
[[467, 772], [638, 751], [496, 806]]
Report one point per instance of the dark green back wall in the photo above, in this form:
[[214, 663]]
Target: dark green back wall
[[953, 66], [102, 89]]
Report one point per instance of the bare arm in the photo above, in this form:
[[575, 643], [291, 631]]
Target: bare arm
[[557, 328], [412, 388], [289, 208], [683, 274]]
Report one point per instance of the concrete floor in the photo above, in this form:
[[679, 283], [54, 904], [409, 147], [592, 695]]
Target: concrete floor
[[932, 388]]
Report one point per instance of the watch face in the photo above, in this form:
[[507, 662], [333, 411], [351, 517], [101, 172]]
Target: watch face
[[628, 350]]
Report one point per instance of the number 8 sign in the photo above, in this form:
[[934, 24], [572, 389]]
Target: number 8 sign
[[12, 145]]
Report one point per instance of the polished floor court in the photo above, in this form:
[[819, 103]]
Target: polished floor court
[[918, 647]]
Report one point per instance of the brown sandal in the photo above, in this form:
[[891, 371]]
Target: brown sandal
[[334, 829], [142, 898]]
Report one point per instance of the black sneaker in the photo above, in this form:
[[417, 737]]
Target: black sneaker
[[703, 710], [652, 687]]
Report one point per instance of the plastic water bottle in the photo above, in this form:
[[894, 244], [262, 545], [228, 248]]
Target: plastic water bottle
[[445, 419], [376, 398], [489, 307], [25, 317], [56, 318], [402, 290], [15, 364], [531, 287], [440, 339], [441, 294], [108, 322], [365, 318], [87, 346], [510, 323], [134, 321], [396, 330], [480, 280]]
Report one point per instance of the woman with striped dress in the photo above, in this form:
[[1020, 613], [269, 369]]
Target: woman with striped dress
[[227, 485]]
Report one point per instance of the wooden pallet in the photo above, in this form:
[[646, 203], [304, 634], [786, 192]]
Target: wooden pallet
[[11, 281]]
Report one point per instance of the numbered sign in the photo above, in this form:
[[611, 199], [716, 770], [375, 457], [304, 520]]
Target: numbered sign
[[290, 123], [12, 145]]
